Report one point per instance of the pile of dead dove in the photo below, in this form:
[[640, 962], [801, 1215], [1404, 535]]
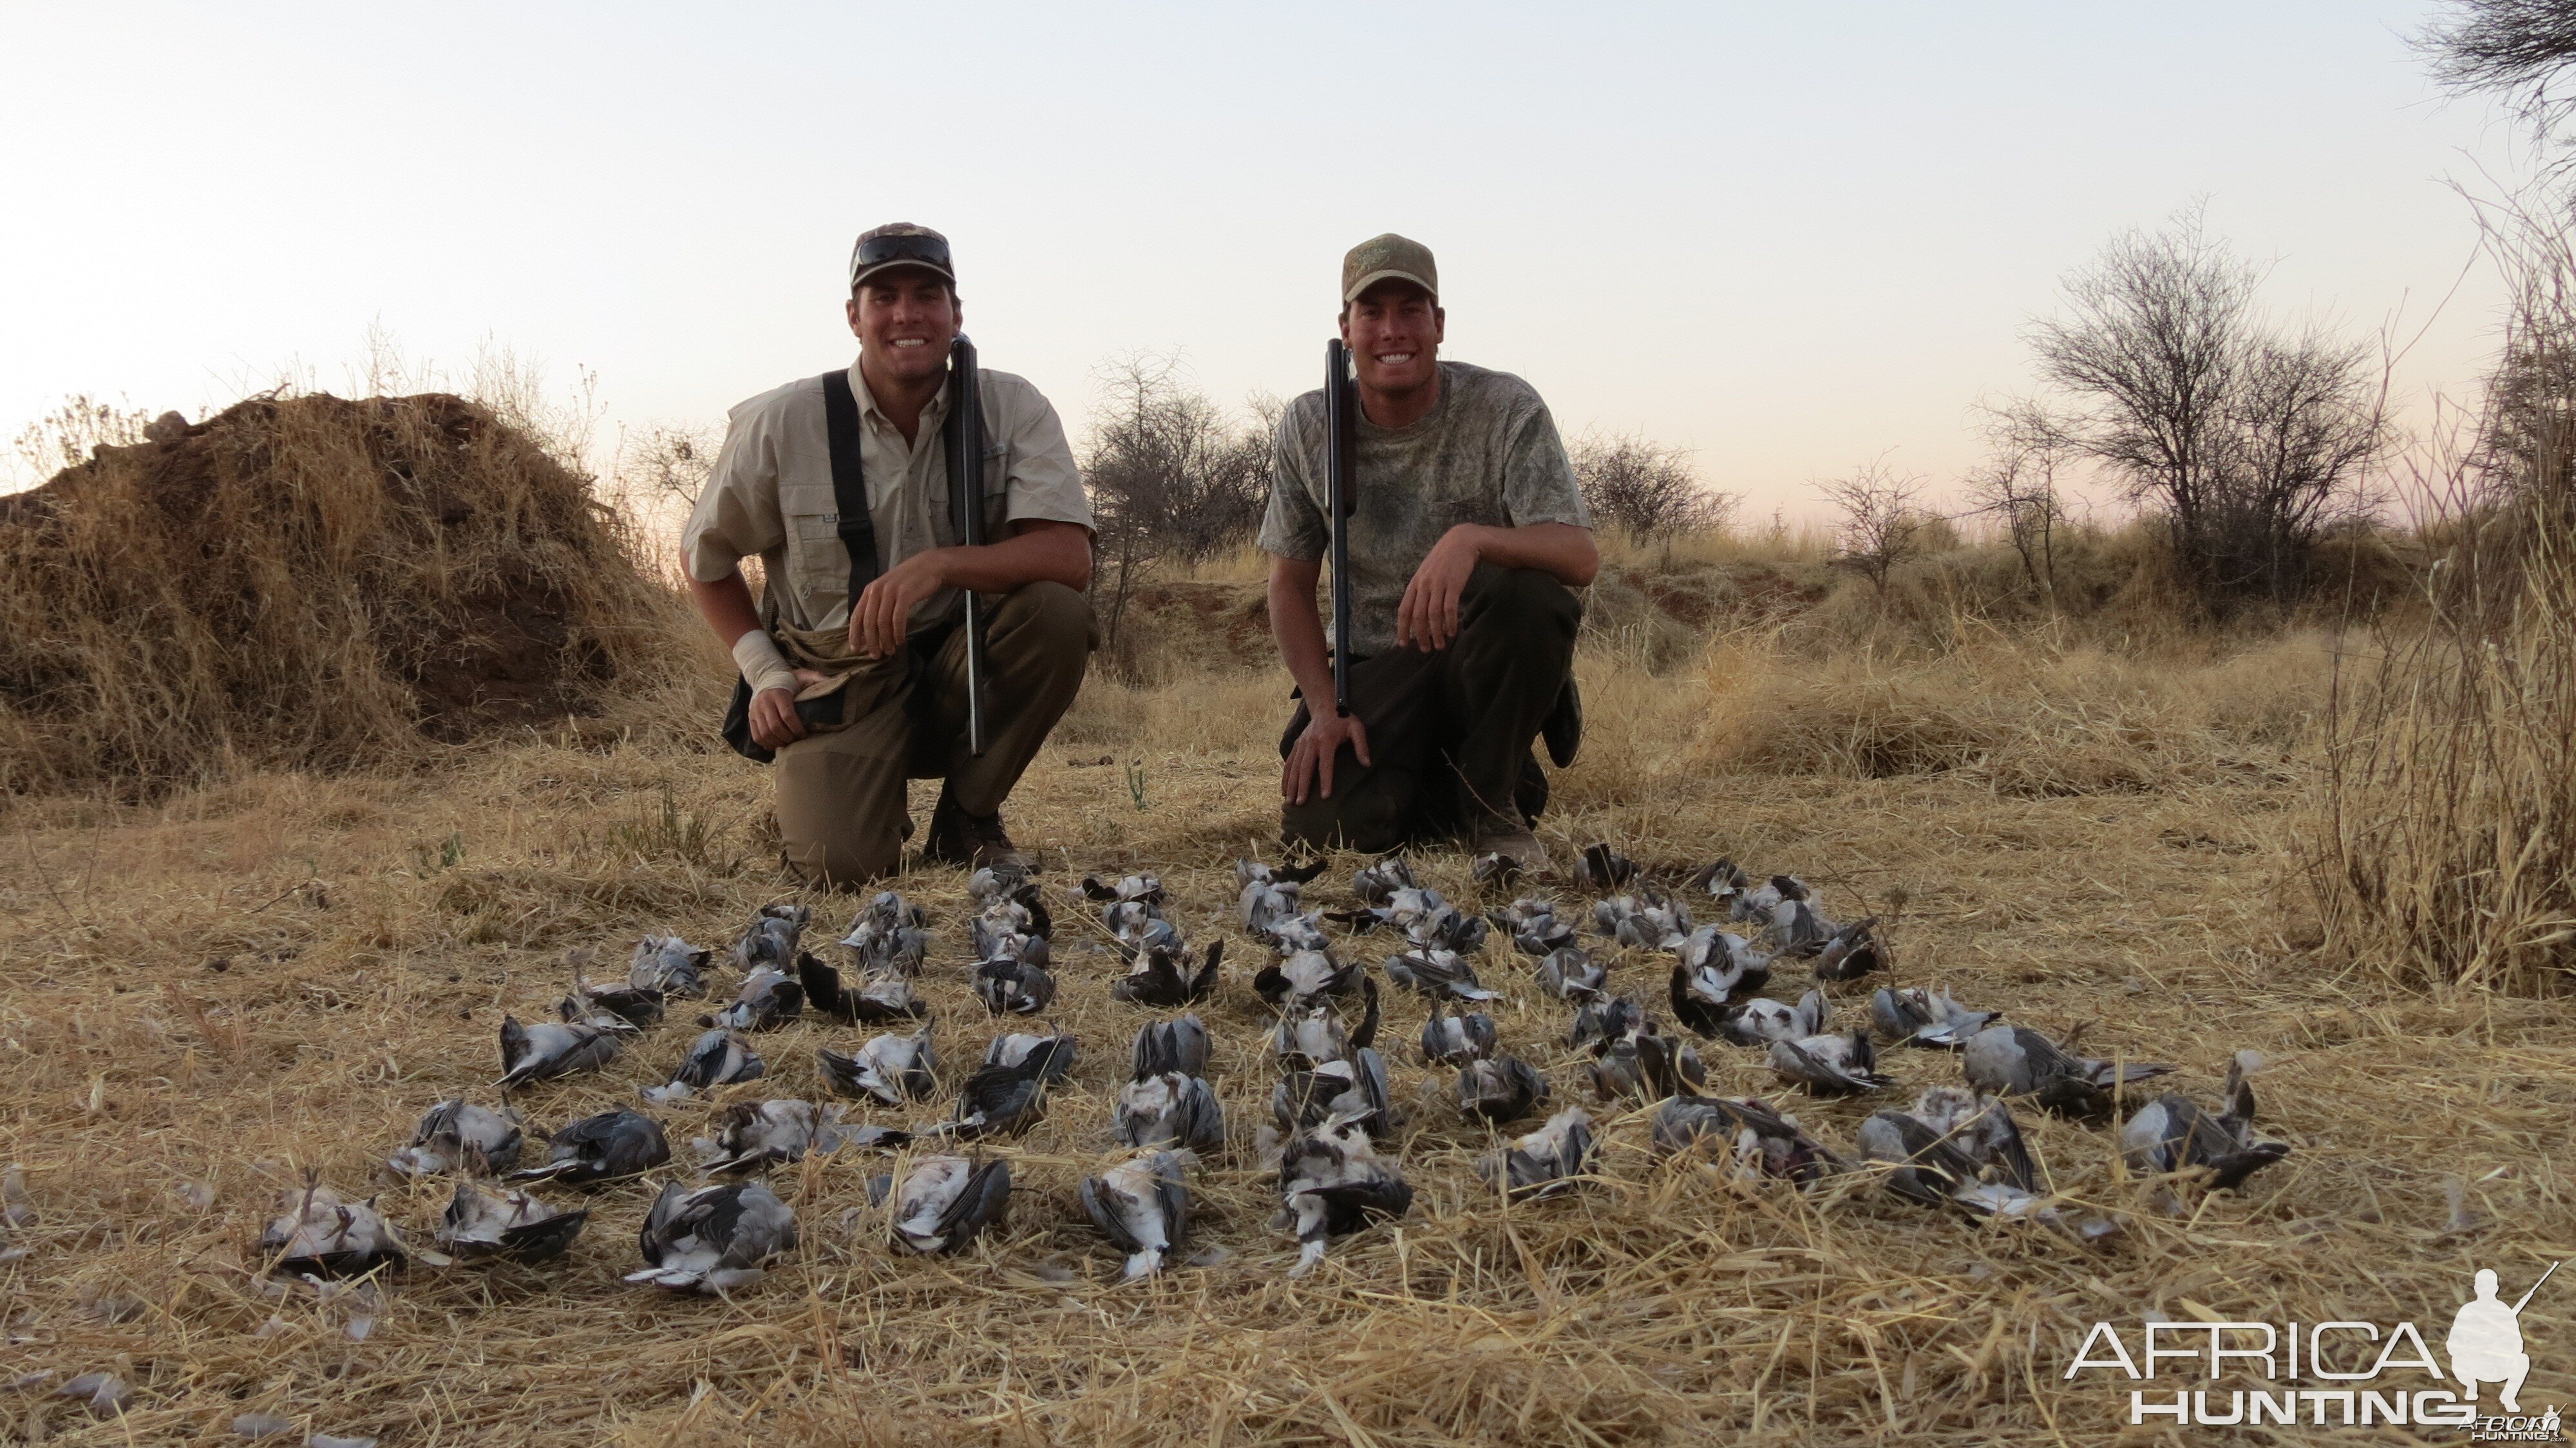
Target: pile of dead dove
[[521, 1196]]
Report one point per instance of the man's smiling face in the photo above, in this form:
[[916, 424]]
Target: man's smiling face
[[905, 320], [1393, 330]]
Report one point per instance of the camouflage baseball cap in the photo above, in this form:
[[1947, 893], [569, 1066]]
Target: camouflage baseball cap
[[1388, 258], [899, 243]]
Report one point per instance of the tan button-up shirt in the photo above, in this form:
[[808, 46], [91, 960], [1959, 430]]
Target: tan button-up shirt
[[770, 492]]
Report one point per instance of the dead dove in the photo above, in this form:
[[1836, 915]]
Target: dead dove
[[1983, 1127], [485, 1226], [1797, 929], [608, 1147], [1724, 881], [1533, 926], [754, 1136], [1762, 1020], [1176, 1045], [669, 965], [1354, 1088], [1759, 1141], [1012, 987], [769, 998], [2018, 1061], [1852, 951], [1727, 961], [1914, 1016], [617, 1007], [1956, 1148], [948, 1201], [1004, 936], [888, 935], [1442, 974], [1703, 980], [1332, 1182], [1135, 927], [879, 1000], [1758, 904], [1571, 974], [1500, 1090], [1169, 1108], [1603, 1020], [1053, 1053], [1377, 883], [1432, 923], [1254, 872], [719, 1058], [889, 1069], [1270, 894], [1643, 1064], [1158, 978], [1604, 868], [2172, 1133], [713, 1238], [1128, 890], [1315, 1035], [1305, 977], [1829, 1065], [1002, 1100], [460, 1136], [1007, 882], [1546, 1161], [1141, 1206], [771, 939], [550, 1049], [1298, 934], [1647, 920], [1454, 1040], [320, 1235]]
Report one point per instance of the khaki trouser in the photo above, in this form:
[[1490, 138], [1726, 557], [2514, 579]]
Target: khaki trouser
[[1449, 731], [842, 814]]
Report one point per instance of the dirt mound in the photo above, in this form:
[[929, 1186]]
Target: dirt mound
[[305, 582]]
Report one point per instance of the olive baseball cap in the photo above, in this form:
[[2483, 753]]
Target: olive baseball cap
[[899, 243], [1388, 258]]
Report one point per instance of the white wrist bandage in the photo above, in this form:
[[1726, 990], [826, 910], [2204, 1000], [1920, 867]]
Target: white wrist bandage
[[763, 666]]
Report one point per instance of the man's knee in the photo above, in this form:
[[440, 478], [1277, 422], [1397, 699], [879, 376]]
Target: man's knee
[[1523, 601], [844, 861], [1045, 621]]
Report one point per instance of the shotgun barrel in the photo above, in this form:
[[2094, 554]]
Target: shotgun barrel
[[1340, 408], [964, 441]]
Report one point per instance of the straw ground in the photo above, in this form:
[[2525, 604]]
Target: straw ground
[[248, 980]]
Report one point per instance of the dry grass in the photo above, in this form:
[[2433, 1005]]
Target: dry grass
[[305, 581], [2075, 836]]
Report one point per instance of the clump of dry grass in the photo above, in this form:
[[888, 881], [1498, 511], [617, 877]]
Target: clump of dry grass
[[303, 581]]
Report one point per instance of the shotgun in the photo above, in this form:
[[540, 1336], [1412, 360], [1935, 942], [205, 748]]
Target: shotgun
[[1341, 406], [964, 442]]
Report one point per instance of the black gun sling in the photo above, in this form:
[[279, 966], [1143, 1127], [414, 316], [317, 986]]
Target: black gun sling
[[858, 534]]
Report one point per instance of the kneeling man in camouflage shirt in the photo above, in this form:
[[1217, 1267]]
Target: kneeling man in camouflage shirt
[[1467, 537], [857, 695]]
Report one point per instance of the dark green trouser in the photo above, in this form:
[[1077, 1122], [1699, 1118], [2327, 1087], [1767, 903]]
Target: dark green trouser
[[841, 815], [1449, 731]]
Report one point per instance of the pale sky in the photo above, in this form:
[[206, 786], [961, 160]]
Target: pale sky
[[1791, 238]]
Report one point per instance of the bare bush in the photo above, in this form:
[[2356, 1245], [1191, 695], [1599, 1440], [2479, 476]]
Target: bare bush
[[1645, 489], [2516, 49], [661, 468], [1171, 476], [1881, 523], [2018, 488], [2246, 440]]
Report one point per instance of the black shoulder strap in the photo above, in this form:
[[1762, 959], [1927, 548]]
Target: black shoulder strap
[[849, 484]]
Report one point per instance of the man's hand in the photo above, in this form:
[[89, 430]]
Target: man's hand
[[774, 724], [1428, 616], [1312, 756], [883, 612]]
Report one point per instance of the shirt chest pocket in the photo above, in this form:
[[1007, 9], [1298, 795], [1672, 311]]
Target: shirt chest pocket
[[817, 565]]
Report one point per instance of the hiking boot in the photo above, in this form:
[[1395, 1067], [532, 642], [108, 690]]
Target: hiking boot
[[973, 842], [1512, 842]]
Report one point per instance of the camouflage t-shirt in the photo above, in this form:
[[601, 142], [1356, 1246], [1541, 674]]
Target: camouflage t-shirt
[[1487, 452]]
